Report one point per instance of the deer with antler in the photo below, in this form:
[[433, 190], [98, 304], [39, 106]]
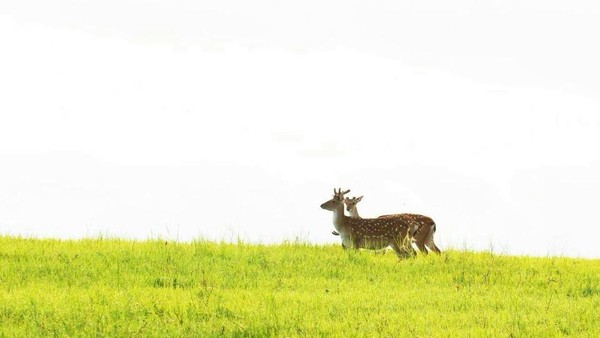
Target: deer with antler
[[422, 228], [368, 233]]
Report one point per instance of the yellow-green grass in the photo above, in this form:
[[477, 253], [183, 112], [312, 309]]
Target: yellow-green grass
[[106, 287]]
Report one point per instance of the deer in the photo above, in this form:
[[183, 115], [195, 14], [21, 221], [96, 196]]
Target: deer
[[368, 233], [422, 228]]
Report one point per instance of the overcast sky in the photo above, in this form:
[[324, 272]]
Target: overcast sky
[[222, 120]]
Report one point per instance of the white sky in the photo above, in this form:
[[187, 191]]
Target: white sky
[[226, 119]]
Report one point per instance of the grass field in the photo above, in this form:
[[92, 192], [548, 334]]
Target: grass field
[[110, 287]]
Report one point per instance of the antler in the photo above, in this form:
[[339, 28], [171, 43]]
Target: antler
[[339, 192], [353, 199]]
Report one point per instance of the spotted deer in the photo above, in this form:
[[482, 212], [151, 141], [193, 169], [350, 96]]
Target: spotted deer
[[422, 228], [368, 233]]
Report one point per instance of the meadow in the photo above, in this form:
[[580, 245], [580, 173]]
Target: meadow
[[111, 287]]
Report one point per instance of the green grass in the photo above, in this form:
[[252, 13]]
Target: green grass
[[155, 288]]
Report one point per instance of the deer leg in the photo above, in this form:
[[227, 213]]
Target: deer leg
[[356, 242], [420, 238], [434, 247], [407, 245], [422, 248], [403, 251], [399, 252], [430, 243], [420, 242]]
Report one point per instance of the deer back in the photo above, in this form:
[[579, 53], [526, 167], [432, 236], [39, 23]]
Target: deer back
[[392, 228]]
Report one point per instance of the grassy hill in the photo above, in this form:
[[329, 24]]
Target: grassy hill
[[155, 288]]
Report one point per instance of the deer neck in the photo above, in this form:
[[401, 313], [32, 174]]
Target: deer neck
[[339, 222]]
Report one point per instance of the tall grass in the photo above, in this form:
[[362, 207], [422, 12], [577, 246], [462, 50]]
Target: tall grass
[[156, 288]]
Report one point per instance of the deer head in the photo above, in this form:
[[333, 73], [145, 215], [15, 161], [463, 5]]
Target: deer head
[[352, 202], [336, 201]]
